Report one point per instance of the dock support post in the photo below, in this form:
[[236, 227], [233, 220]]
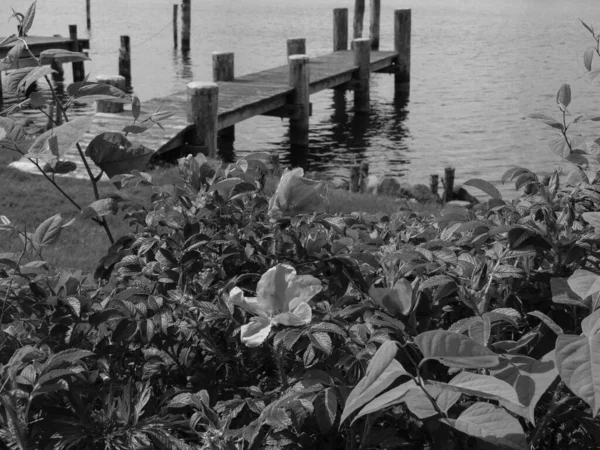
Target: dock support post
[[117, 81], [434, 183], [300, 101], [375, 23], [78, 67], [1, 98], [296, 46], [223, 70], [362, 59], [60, 71], [186, 19], [359, 14], [125, 60], [175, 7], [202, 111], [88, 13], [354, 184], [448, 184], [402, 25], [340, 29]]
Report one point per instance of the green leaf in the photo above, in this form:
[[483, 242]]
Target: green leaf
[[578, 361], [116, 155], [584, 283], [89, 92], [390, 398], [8, 40], [560, 147], [590, 29], [483, 386], [593, 218], [14, 133], [563, 294], [326, 404], [588, 56], [419, 404], [455, 350], [28, 19], [67, 136], [563, 96], [492, 424], [15, 77], [397, 300], [37, 99], [548, 321], [48, 232], [100, 208], [484, 186], [548, 120], [62, 56], [136, 107]]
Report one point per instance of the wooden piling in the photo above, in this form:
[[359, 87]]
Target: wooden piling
[[359, 15], [296, 46], [175, 25], [374, 29], [186, 19], [202, 111], [1, 97], [125, 60], [223, 70], [448, 184], [362, 59], [59, 75], [434, 183], [354, 184], [117, 81], [88, 13], [363, 176], [78, 67], [402, 25], [340, 29], [300, 103]]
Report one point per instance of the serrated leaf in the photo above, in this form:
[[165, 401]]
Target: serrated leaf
[[484, 186], [11, 60], [116, 155], [325, 404], [455, 350], [28, 19], [100, 208], [15, 77], [48, 232], [67, 135], [322, 341], [588, 56]]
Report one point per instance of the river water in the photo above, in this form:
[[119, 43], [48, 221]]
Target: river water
[[478, 68]]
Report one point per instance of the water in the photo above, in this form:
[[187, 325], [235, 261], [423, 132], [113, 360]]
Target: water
[[478, 68]]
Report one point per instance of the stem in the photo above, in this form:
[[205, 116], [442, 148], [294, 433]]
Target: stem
[[9, 287]]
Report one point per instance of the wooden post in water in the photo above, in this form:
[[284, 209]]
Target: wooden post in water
[[354, 184], [448, 184], [296, 46], [359, 15], [175, 25], [125, 60], [117, 81], [1, 98], [223, 70], [362, 59], [375, 23], [364, 175], [78, 67], [58, 67], [88, 13], [300, 101], [402, 25], [434, 183], [186, 19], [202, 111], [340, 29]]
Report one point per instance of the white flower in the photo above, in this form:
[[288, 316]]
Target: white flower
[[297, 195]]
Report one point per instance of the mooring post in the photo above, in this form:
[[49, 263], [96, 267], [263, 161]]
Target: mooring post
[[78, 68], [88, 13], [354, 184], [125, 60], [58, 67], [402, 24], [117, 81], [340, 29], [375, 23], [362, 59], [186, 19], [202, 111], [448, 184], [296, 46], [175, 7], [364, 175], [300, 101], [1, 98], [223, 70], [359, 15], [434, 183]]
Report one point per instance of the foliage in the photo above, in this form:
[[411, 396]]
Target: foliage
[[231, 320]]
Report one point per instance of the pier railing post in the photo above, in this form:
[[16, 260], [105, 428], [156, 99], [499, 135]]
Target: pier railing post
[[78, 67], [175, 7], [125, 60], [402, 25], [359, 15], [362, 59], [300, 101], [223, 70], [340, 29], [202, 111], [296, 46], [375, 23], [186, 19], [114, 80]]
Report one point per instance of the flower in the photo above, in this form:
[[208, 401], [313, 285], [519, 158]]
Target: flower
[[296, 195], [281, 299]]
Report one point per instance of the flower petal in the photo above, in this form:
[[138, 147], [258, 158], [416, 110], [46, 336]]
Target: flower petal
[[256, 332], [271, 289], [250, 304], [300, 289], [297, 195], [301, 315]]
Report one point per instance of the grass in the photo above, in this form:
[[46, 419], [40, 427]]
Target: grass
[[27, 200]]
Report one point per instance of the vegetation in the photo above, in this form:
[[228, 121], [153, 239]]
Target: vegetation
[[231, 317]]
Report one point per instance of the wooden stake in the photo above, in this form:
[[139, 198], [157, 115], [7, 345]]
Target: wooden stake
[[186, 17], [88, 13], [340, 29], [202, 111], [375, 23], [60, 71], [223, 70], [448, 184], [434, 183], [78, 67], [402, 25], [125, 60], [296, 46], [364, 174], [354, 184], [362, 59], [300, 103], [175, 25], [359, 15], [117, 81]]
